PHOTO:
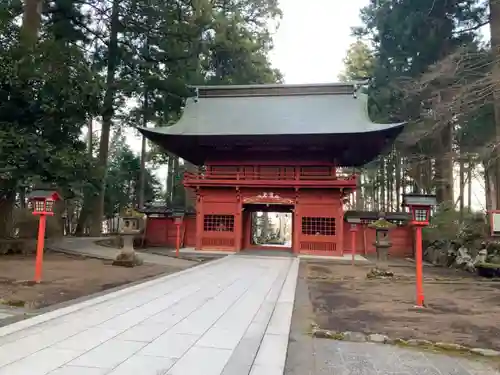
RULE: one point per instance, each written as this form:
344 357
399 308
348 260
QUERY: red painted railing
288 175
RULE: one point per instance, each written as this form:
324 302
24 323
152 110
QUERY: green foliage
382 224
358 63
126 63
428 68
44 102
449 226
408 38
123 179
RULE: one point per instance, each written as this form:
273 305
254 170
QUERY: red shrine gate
227 195
273 147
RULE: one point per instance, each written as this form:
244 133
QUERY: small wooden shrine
276 148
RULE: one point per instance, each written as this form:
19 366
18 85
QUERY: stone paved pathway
87 246
8 313
230 316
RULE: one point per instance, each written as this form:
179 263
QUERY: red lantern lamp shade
42 201
178 217
420 207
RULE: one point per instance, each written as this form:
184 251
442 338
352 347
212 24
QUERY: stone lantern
382 242
129 227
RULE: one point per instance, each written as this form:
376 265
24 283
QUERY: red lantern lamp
420 207
42 203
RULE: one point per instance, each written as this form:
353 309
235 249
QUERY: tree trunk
404 175
32 18
419 177
359 191
382 185
462 187
488 183
107 117
190 196
142 178
427 175
397 162
495 49
145 115
390 182
175 181
444 167
83 216
170 180
22 197
469 185
90 138
265 227
374 189
7 201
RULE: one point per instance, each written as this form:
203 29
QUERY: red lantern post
354 231
355 221
178 222
42 202
420 208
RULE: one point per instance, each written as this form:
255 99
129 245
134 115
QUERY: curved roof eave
275 115
154 134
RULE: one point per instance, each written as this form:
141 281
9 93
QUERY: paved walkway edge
272 353
42 318
61 250
244 354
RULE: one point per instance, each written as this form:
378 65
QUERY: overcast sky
313 38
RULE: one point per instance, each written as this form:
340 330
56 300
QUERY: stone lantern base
382 249
128 257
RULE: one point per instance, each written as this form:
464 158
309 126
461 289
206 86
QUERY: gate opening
271 229
268 227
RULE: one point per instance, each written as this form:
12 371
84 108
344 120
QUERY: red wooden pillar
419 266
199 221
177 236
238 224
167 224
354 231
297 228
247 229
365 247
340 227
39 248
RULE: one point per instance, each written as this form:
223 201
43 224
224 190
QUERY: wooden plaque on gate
268 198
